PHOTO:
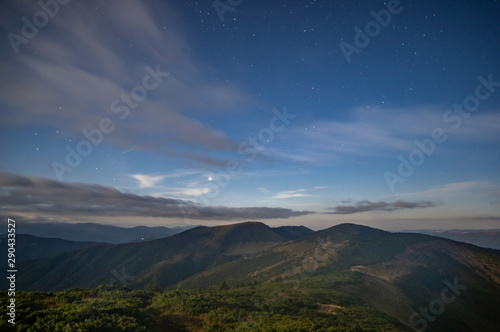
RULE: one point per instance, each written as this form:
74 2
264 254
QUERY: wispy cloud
380 132
74 74
151 181
147 181
364 206
291 194
454 189
463 187
48 198
187 192
296 193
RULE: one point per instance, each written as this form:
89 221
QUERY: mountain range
173 259
486 238
93 232
33 247
413 278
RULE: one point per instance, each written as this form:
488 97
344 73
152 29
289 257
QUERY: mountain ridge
397 273
400 274
34 247
485 238
174 258
94 232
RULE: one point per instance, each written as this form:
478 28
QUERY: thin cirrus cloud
365 206
152 181
380 132
186 192
74 74
490 188
147 181
53 199
296 193
291 194
484 191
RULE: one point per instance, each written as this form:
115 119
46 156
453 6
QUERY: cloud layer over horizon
42 196
366 206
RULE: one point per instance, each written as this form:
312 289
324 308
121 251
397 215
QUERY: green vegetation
275 306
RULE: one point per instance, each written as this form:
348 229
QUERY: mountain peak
247 224
355 229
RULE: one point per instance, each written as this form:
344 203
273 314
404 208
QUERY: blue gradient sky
222 83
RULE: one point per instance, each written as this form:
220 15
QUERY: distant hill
489 238
173 259
96 232
33 247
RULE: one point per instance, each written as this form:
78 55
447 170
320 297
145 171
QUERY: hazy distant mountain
173 259
482 238
32 247
97 232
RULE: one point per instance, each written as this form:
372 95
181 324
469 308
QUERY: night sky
307 113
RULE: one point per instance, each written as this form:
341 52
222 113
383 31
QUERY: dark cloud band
38 195
364 206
